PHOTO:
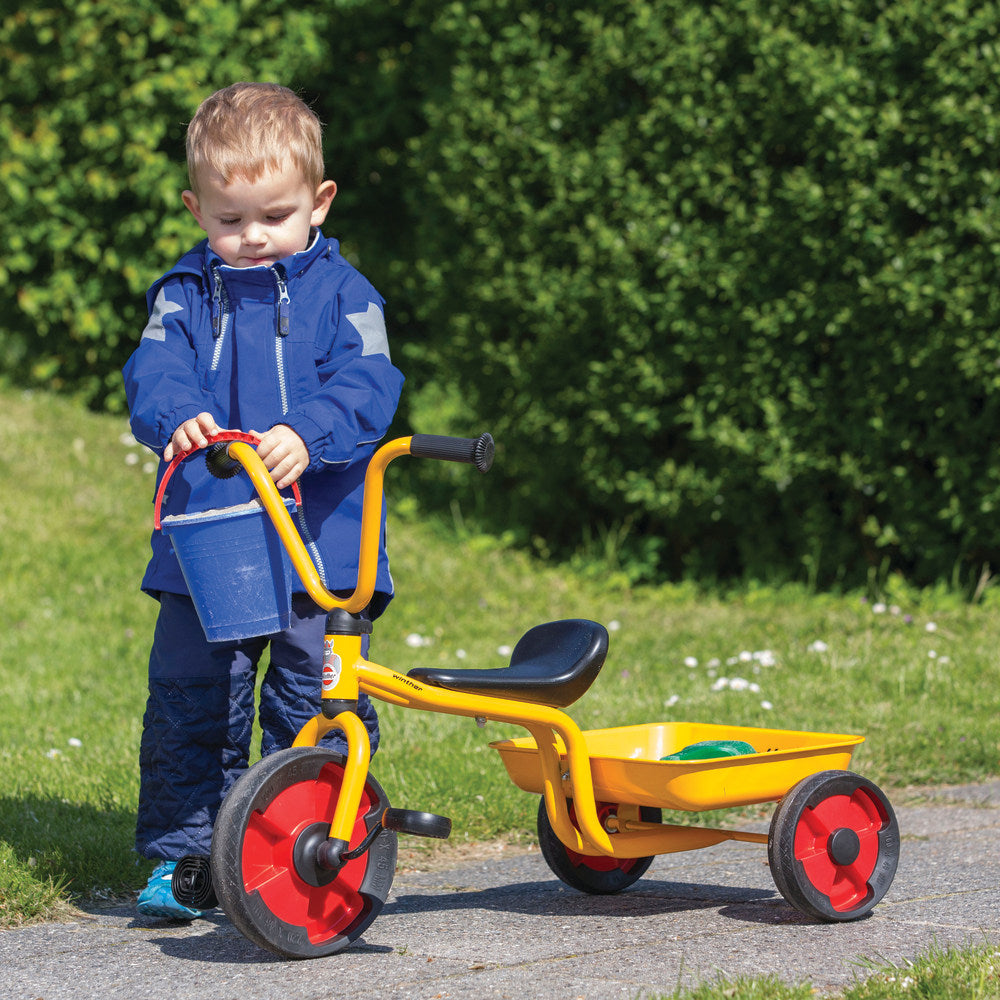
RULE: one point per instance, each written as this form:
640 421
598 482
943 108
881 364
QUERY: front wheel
597 875
263 856
833 845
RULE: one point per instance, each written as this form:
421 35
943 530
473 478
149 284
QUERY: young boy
263 326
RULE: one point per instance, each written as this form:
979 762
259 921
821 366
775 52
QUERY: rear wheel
264 866
598 875
833 845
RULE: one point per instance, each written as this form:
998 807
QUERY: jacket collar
292 265
202 262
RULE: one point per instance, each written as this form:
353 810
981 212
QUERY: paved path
504 927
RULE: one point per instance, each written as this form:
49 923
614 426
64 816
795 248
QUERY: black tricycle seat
552 664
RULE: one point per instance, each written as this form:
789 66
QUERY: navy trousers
199 717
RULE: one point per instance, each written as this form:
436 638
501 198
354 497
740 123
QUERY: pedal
191 884
420 824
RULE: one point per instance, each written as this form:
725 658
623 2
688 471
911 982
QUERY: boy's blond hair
249 129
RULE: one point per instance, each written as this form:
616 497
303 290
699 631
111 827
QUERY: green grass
919 677
938 974
971 973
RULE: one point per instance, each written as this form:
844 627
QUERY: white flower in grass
878 608
74 742
930 627
460 654
414 640
614 625
766 705
690 661
765 658
53 753
671 701
715 662
131 458
818 646
736 684
503 650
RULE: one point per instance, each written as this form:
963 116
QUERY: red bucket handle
243 436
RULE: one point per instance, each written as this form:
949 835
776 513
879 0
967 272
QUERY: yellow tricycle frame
304 846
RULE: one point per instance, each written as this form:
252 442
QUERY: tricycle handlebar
238 449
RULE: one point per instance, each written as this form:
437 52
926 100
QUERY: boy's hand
284 454
191 434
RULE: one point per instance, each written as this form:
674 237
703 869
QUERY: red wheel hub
599 863
837 843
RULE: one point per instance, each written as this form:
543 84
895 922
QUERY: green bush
94 101
722 277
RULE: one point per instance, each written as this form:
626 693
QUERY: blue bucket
237 571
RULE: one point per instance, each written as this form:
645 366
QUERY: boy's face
250 223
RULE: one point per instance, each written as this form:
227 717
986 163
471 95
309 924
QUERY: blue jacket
301 343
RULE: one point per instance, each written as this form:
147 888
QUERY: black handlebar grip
476 451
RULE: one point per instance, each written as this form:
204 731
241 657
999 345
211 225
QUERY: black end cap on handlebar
220 463
483 453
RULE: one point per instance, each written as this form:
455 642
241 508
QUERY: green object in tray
708 749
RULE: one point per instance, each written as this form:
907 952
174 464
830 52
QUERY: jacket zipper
220 317
282 331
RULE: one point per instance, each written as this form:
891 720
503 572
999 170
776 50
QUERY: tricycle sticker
331 667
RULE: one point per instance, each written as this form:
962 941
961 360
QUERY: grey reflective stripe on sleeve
161 307
371 325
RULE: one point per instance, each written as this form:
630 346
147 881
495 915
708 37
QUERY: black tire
272 892
602 876
833 846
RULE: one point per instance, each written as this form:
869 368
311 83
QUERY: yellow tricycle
304 846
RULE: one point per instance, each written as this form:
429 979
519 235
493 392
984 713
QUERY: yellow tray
627 768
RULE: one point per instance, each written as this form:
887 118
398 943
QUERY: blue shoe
157 899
